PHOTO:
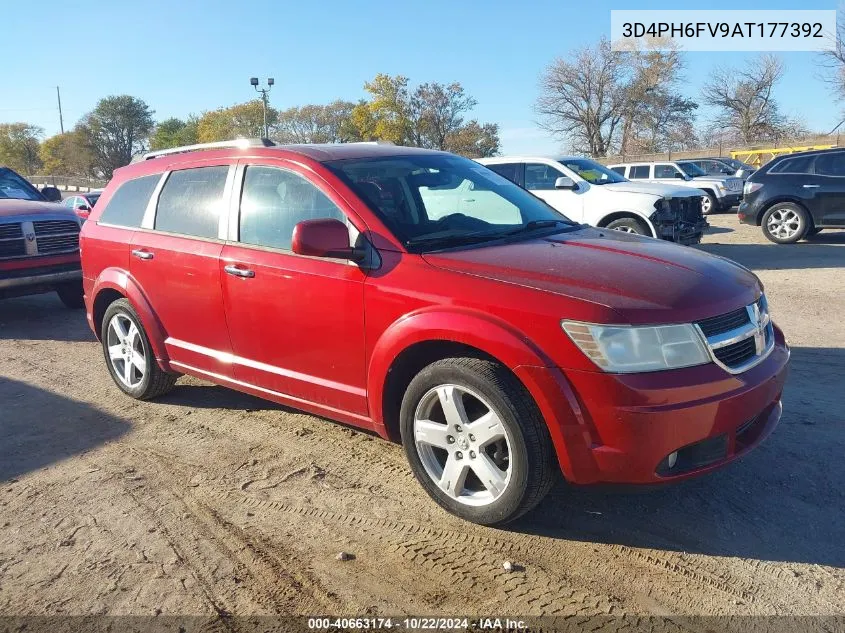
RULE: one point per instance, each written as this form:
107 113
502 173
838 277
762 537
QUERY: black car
796 195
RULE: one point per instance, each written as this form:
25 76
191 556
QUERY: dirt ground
209 501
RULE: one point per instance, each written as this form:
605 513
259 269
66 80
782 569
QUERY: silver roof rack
241 143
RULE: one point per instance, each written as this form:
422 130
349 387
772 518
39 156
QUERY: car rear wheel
71 294
629 225
708 204
476 441
129 356
785 223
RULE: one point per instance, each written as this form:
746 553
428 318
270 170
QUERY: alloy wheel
706 205
784 223
625 229
126 351
462 444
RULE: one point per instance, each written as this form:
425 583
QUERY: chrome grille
740 339
10 231
734 184
58 243
51 227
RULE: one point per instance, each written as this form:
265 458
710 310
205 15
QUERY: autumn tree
115 131
744 99
19 147
474 140
242 120
67 155
174 132
312 123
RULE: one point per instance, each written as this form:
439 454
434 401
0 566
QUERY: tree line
431 115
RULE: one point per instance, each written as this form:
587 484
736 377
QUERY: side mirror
83 211
565 182
51 194
322 238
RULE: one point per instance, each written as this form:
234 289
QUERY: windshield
13 186
440 200
691 170
591 171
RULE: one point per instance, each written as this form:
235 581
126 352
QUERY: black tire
155 381
629 225
71 294
532 460
709 204
792 216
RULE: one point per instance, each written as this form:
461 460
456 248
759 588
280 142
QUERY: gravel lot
209 501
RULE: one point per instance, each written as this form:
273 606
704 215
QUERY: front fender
476 329
122 282
638 214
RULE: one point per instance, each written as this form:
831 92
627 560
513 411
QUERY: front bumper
621 428
37 279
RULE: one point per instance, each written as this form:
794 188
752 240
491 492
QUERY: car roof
809 152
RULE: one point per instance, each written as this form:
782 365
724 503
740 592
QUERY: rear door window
831 164
797 165
129 202
191 202
638 172
508 170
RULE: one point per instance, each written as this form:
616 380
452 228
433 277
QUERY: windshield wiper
452 240
533 225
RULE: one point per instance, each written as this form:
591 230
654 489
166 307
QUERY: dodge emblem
30 237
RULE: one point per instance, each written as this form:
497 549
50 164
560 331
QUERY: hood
654 189
13 206
644 280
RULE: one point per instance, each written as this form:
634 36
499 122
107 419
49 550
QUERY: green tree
244 120
19 146
66 155
174 132
115 131
389 109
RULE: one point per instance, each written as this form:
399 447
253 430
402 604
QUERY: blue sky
184 56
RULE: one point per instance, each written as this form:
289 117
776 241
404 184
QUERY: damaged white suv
589 192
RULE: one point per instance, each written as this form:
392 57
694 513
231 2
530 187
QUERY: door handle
469 200
246 273
142 254
810 186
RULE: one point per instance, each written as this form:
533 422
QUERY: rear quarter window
128 203
191 201
797 165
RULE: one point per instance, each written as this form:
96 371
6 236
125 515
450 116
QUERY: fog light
672 459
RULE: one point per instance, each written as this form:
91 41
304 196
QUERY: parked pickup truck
589 192
720 192
39 242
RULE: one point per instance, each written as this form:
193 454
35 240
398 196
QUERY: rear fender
122 282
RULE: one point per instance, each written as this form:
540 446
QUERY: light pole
264 98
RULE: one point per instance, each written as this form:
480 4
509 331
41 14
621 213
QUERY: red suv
499 346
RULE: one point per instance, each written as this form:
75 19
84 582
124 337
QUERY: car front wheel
708 204
476 441
785 223
629 225
129 356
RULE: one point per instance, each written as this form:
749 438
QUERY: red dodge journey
419 295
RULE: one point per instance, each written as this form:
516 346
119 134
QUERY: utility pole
265 99
61 120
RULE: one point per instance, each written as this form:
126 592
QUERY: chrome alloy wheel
626 229
463 445
126 351
783 223
706 205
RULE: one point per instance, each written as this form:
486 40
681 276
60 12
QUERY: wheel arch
114 284
618 215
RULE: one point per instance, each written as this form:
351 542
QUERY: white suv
720 192
590 193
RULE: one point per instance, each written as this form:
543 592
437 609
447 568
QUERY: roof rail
239 143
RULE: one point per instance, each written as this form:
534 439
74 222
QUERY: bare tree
745 100
436 113
583 99
832 63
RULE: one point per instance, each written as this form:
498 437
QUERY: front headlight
626 349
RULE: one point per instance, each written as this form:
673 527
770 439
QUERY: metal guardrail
68 183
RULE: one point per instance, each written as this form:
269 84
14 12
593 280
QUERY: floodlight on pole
253 81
